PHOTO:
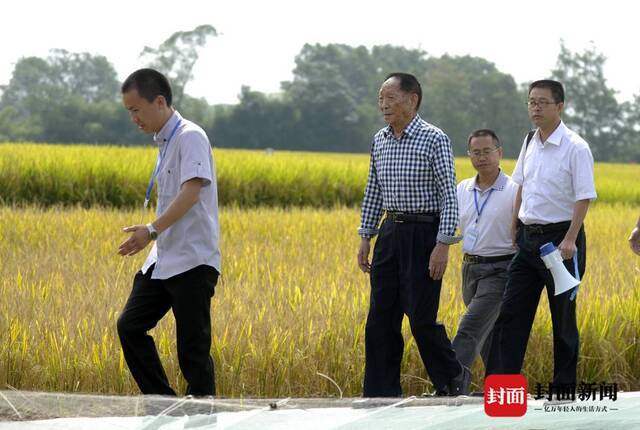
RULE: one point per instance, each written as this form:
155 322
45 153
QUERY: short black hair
557 90
408 84
150 84
482 132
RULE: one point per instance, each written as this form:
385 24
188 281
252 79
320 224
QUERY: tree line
329 105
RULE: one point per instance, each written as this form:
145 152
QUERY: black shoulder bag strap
529 137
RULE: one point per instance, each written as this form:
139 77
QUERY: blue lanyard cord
577 275
479 209
159 161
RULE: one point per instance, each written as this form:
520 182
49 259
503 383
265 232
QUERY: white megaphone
562 279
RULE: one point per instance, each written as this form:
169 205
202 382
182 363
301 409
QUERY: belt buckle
538 229
533 229
394 218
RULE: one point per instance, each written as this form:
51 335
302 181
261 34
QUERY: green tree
61 74
630 135
66 97
177 55
14 127
335 89
328 89
198 110
591 108
332 100
465 93
259 121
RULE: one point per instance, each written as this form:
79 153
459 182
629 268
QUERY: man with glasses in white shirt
555 175
486 203
182 268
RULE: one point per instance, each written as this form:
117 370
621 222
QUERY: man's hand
438 261
567 248
515 220
363 255
137 242
634 240
514 233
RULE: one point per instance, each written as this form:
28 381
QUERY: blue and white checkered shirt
413 174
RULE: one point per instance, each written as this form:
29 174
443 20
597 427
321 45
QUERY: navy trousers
526 277
400 284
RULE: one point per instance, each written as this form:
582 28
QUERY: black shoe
442 392
459 385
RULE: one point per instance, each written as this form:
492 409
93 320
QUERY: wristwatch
153 233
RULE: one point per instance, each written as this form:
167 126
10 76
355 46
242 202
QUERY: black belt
400 217
475 259
547 228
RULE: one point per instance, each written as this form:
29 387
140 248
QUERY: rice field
291 303
47 175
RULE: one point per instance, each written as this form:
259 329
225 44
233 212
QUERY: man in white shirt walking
486 202
555 174
182 268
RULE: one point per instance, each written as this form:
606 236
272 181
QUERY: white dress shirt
493 227
193 239
554 175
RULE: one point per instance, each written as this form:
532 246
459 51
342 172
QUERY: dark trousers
526 277
400 284
482 291
188 295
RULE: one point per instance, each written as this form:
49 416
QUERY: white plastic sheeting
405 414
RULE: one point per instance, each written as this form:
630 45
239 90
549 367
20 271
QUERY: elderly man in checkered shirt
412 180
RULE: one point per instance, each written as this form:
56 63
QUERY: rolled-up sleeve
582 174
372 202
445 175
518 172
195 156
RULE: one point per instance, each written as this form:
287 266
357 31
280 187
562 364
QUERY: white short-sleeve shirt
493 229
554 175
193 240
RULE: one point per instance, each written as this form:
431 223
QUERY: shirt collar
498 185
557 135
164 133
411 128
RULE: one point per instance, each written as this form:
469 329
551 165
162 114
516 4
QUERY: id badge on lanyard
158 165
471 233
469 241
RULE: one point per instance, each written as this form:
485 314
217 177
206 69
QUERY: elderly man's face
397 107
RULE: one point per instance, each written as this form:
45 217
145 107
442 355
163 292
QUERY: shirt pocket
169 180
555 174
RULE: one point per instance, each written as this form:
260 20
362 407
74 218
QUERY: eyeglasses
483 153
542 103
